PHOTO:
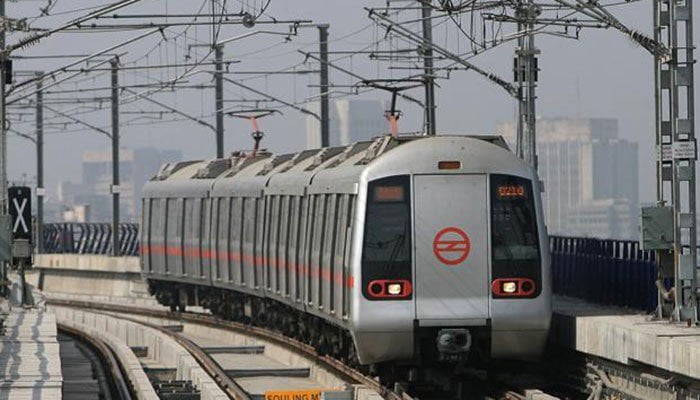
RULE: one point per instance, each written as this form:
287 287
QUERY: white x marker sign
20 215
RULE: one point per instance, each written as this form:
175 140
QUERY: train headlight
398 289
394 289
513 287
509 287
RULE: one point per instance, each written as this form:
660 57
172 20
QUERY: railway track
241 383
89 368
566 374
214 357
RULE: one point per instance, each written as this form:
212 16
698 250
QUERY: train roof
330 169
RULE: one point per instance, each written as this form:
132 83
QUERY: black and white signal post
20 209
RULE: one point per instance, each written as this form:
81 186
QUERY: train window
187 239
146 233
282 244
387 235
302 248
245 234
182 244
337 278
514 236
190 229
318 243
172 241
352 201
173 220
257 244
311 234
224 240
168 228
327 262
291 243
197 236
272 238
249 217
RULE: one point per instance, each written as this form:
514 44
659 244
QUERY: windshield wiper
398 244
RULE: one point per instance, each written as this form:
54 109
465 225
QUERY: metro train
410 250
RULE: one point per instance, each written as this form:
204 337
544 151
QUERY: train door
451 245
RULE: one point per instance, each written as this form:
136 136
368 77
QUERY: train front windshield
514 238
386 251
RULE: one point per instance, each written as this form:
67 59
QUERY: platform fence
90 238
609 272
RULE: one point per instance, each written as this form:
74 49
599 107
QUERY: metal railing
89 238
611 272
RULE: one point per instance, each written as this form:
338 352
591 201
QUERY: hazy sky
603 74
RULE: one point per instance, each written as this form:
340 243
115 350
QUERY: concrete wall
88 262
98 276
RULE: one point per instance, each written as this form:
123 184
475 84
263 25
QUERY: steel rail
226 383
120 384
346 372
210 366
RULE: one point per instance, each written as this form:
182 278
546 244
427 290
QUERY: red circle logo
451 246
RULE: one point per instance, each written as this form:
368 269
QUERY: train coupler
454 344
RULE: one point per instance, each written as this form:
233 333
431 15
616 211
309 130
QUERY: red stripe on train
194 252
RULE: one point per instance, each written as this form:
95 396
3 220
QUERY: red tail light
390 289
513 287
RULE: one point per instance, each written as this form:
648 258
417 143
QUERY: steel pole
115 158
39 166
525 71
677 154
3 143
325 99
429 79
3 117
219 99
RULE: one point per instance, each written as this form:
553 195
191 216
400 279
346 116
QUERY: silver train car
410 249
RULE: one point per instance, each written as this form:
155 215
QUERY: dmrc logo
451 246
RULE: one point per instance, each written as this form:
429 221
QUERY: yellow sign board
293 395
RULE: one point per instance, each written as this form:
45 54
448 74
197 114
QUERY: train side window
259 223
282 242
248 237
249 217
236 231
197 219
162 213
186 231
347 277
337 282
302 261
205 226
332 221
223 239
311 234
216 203
319 245
338 276
179 232
173 233
272 225
146 233
166 237
292 246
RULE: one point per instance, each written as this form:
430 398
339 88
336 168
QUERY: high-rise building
135 168
350 121
590 177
